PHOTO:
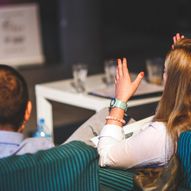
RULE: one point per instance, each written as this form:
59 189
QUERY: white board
20 39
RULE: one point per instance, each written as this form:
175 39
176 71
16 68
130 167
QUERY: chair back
71 166
184 153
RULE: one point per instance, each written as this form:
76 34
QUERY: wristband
118 103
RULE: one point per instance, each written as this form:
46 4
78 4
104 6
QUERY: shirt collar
11 137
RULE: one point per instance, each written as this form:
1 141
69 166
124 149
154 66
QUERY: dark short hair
13 97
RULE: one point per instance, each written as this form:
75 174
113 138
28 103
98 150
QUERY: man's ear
28 111
26 116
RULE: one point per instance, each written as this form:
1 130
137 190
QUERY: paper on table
143 89
129 129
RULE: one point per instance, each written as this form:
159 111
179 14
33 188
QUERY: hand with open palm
176 38
124 86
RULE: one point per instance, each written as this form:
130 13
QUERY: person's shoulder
35 144
38 140
158 125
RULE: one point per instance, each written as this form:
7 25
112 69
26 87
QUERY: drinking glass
154 70
110 69
80 72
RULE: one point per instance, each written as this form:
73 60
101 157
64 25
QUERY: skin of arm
112 145
114 150
124 89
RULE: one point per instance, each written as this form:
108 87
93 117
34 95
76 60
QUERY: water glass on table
110 68
154 70
80 72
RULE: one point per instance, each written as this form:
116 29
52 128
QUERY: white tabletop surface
62 91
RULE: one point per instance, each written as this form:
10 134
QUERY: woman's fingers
122 67
116 74
138 79
179 36
119 67
124 87
125 69
176 38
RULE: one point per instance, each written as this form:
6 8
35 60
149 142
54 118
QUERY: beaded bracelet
115 119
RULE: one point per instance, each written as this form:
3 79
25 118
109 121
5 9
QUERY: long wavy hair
175 110
175 105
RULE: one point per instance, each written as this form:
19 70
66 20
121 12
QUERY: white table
63 92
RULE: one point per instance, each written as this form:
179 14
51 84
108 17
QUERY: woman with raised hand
156 143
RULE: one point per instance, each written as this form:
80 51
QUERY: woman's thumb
138 79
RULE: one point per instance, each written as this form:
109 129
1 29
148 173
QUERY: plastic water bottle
41 129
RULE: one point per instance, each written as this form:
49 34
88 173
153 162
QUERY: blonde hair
175 105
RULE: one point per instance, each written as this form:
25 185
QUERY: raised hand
176 38
124 86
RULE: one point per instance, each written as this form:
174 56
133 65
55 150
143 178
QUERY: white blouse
152 145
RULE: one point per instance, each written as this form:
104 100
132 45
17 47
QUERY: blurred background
91 31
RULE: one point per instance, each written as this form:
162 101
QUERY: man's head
14 99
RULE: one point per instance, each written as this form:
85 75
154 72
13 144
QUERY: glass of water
155 70
80 72
110 69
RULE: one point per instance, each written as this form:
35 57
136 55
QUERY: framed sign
20 40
